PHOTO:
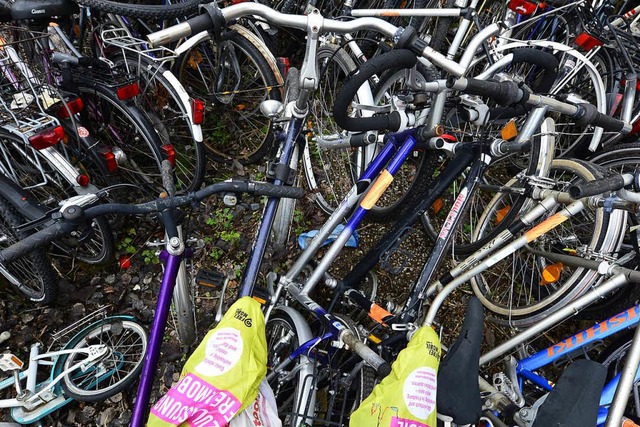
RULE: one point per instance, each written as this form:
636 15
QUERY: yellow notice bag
222 376
407 396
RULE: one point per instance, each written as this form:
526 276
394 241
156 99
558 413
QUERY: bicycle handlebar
368 355
599 186
72 216
508 93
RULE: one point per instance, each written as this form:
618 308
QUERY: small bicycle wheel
233 78
32 274
125 344
525 287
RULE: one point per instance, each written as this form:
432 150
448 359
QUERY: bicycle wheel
33 171
613 357
92 381
515 289
233 77
161 100
416 174
292 384
32 274
330 172
122 125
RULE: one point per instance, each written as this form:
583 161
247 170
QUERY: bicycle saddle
39 9
575 398
458 388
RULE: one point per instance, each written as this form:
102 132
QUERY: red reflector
587 41
448 137
197 108
109 159
83 180
128 91
522 7
48 138
125 262
170 152
238 1
283 65
73 107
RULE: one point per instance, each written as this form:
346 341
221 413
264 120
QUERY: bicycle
72 216
98 357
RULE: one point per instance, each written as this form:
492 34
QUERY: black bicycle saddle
40 9
458 388
575 398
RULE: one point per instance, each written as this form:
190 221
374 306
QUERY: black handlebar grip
392 60
266 189
504 93
594 188
200 23
542 59
36 240
588 114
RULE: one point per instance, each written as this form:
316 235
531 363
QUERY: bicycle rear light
109 159
587 42
197 109
71 108
127 92
47 138
83 180
170 152
522 7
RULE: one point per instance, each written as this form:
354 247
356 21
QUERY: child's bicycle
98 357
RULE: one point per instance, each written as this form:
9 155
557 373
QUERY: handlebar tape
392 60
594 188
542 59
36 240
271 190
589 115
167 178
504 93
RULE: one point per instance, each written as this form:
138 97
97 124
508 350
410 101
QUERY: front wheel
91 381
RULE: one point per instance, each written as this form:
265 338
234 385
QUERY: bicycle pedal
9 362
210 278
261 295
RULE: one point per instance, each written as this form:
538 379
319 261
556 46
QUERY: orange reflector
501 213
626 422
509 131
437 205
374 339
551 273
262 301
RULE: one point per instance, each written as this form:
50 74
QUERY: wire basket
61 337
25 90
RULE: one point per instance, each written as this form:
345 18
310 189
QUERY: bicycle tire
598 236
27 167
330 173
39 280
160 97
127 344
144 11
232 114
416 174
283 337
121 124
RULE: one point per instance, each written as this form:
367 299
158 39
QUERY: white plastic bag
263 412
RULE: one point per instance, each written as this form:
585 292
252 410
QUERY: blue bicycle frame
525 368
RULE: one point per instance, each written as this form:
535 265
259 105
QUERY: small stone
254 206
148 278
77 310
110 279
116 398
95 281
97 296
135 279
137 288
106 416
125 279
27 317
